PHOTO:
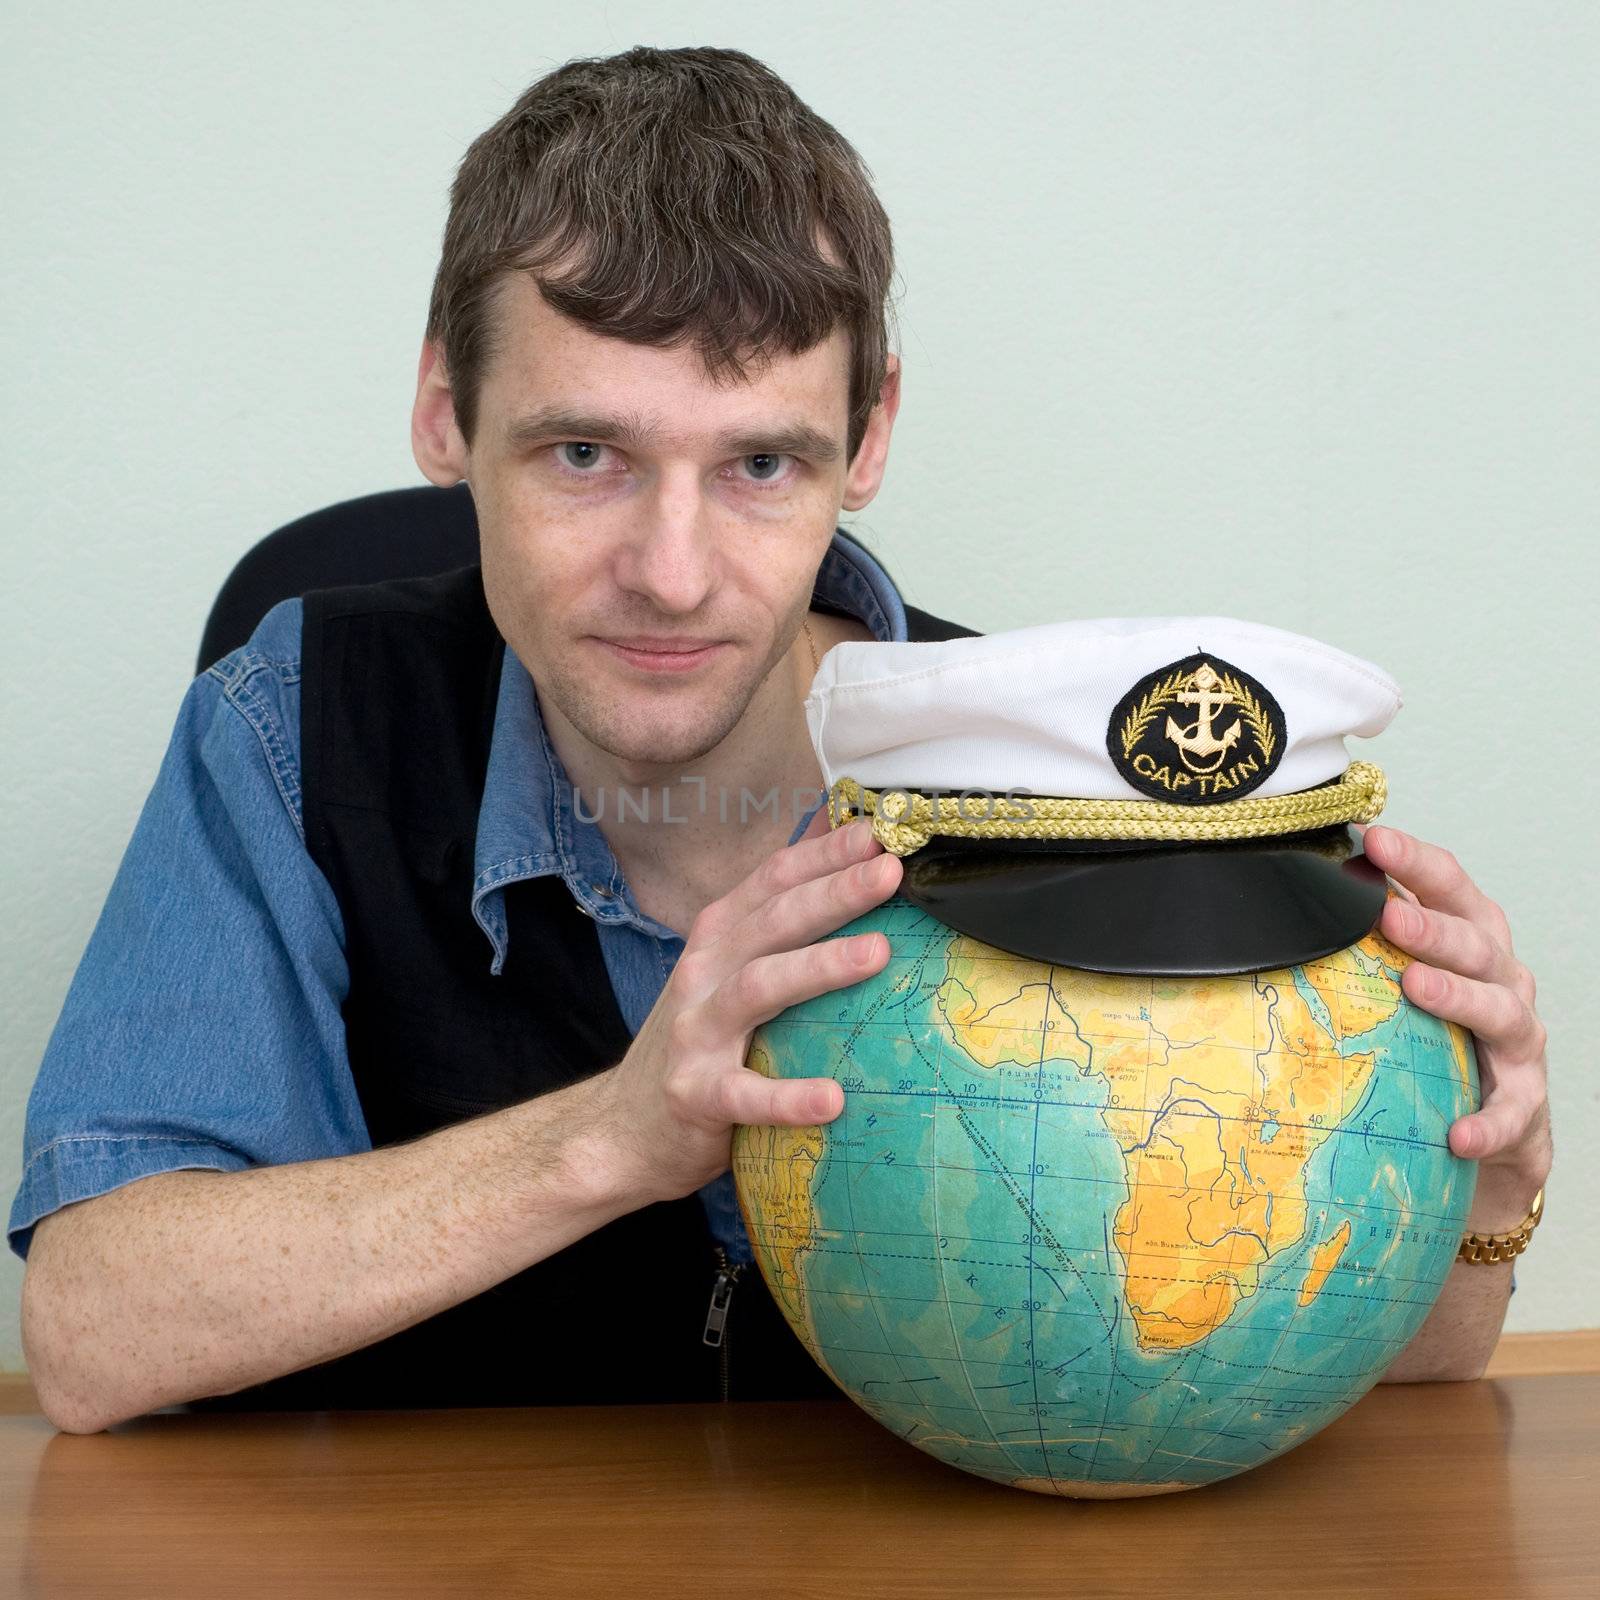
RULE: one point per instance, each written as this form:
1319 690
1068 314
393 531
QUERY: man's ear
436 441
866 470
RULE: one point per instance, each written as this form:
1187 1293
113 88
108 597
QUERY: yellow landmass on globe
1357 996
775 1167
1323 1260
1459 1053
1376 958
1219 1092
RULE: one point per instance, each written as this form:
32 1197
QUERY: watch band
1485 1247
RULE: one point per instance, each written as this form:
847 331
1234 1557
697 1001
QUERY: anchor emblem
1218 756
1206 694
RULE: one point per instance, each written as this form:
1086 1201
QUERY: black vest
398 692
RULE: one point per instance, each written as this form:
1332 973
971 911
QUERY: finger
1448 941
1435 876
813 855
743 1095
789 920
1503 1121
1398 891
1497 1015
768 984
805 913
819 826
1394 887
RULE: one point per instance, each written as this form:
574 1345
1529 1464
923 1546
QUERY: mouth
663 655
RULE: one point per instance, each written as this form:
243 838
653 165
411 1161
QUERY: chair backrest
399 533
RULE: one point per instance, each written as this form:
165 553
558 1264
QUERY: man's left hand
1463 969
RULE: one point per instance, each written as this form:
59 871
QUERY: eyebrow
635 432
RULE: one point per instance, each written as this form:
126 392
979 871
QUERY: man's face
649 539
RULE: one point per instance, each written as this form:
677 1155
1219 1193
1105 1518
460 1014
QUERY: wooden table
1479 1489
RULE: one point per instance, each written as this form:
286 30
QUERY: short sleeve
204 1024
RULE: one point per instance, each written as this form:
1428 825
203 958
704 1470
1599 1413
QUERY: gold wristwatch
1483 1247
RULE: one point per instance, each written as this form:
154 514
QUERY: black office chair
400 533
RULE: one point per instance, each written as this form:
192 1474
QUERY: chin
673 740
667 725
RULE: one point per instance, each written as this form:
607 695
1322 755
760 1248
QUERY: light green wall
1284 311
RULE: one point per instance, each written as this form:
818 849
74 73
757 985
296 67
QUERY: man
346 1105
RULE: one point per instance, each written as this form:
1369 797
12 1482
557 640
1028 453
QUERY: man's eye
765 466
579 455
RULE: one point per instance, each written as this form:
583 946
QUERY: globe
1103 1236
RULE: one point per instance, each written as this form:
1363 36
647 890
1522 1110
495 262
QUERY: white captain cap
1169 795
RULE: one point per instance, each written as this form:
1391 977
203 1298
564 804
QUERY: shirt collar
527 825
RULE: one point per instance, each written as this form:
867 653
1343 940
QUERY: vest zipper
717 1314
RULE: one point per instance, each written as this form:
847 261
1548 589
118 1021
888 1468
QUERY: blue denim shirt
203 1026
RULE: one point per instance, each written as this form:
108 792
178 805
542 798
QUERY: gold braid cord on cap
903 820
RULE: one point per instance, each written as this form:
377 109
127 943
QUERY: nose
671 557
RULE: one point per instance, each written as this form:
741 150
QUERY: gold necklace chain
816 665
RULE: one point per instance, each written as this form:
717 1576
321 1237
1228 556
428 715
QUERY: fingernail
1407 923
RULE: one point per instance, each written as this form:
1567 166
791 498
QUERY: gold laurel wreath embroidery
1139 718
1260 723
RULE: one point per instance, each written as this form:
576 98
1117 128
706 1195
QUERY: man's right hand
673 1100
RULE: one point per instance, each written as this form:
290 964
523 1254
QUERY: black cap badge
1195 732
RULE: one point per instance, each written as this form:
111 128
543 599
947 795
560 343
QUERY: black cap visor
1154 907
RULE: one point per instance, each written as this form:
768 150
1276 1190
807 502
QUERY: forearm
196 1283
1460 1333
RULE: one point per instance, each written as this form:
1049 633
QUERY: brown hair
660 196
